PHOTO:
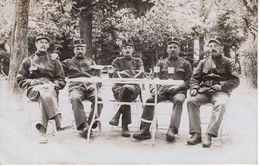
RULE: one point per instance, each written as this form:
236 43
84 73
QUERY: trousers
176 99
219 101
126 93
47 97
77 96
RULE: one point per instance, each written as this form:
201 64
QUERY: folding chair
164 115
138 104
87 108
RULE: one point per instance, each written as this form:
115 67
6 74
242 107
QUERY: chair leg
221 134
157 127
99 127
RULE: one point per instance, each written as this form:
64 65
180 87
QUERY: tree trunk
85 24
201 47
19 48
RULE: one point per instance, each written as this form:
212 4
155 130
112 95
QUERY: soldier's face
215 49
173 50
42 45
127 51
80 52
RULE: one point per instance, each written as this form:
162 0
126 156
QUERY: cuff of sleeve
195 87
56 87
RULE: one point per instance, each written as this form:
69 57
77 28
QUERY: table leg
155 115
95 111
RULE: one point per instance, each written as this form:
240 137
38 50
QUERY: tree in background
148 22
19 49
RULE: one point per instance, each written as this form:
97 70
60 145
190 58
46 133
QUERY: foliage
6 17
237 20
148 22
248 51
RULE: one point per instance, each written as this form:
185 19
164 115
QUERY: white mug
156 69
171 70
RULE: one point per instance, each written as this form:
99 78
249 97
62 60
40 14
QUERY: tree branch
248 7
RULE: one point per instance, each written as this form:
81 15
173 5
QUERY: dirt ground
19 139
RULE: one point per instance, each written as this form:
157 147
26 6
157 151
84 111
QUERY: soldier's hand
54 56
86 75
216 87
174 89
34 82
193 92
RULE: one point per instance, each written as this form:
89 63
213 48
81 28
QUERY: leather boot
84 132
115 120
58 123
170 135
142 134
176 130
207 141
125 131
95 124
195 139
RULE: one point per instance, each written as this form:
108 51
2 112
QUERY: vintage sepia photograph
128 82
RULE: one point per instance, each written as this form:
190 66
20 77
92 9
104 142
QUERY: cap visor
218 42
80 45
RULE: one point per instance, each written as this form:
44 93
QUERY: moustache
80 53
213 51
173 52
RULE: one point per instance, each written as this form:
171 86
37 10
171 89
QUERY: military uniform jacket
78 68
126 64
182 71
122 63
43 69
215 71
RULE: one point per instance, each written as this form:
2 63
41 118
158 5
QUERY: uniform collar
217 58
172 59
128 58
39 54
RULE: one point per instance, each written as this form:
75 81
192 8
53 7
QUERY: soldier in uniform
79 66
212 82
127 67
43 77
176 94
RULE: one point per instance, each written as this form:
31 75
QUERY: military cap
173 40
216 39
39 37
127 43
79 43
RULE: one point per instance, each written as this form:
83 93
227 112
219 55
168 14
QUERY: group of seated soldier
43 75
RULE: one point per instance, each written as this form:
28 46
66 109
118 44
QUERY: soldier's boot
207 141
142 134
84 132
176 130
170 137
195 139
58 123
115 120
125 131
